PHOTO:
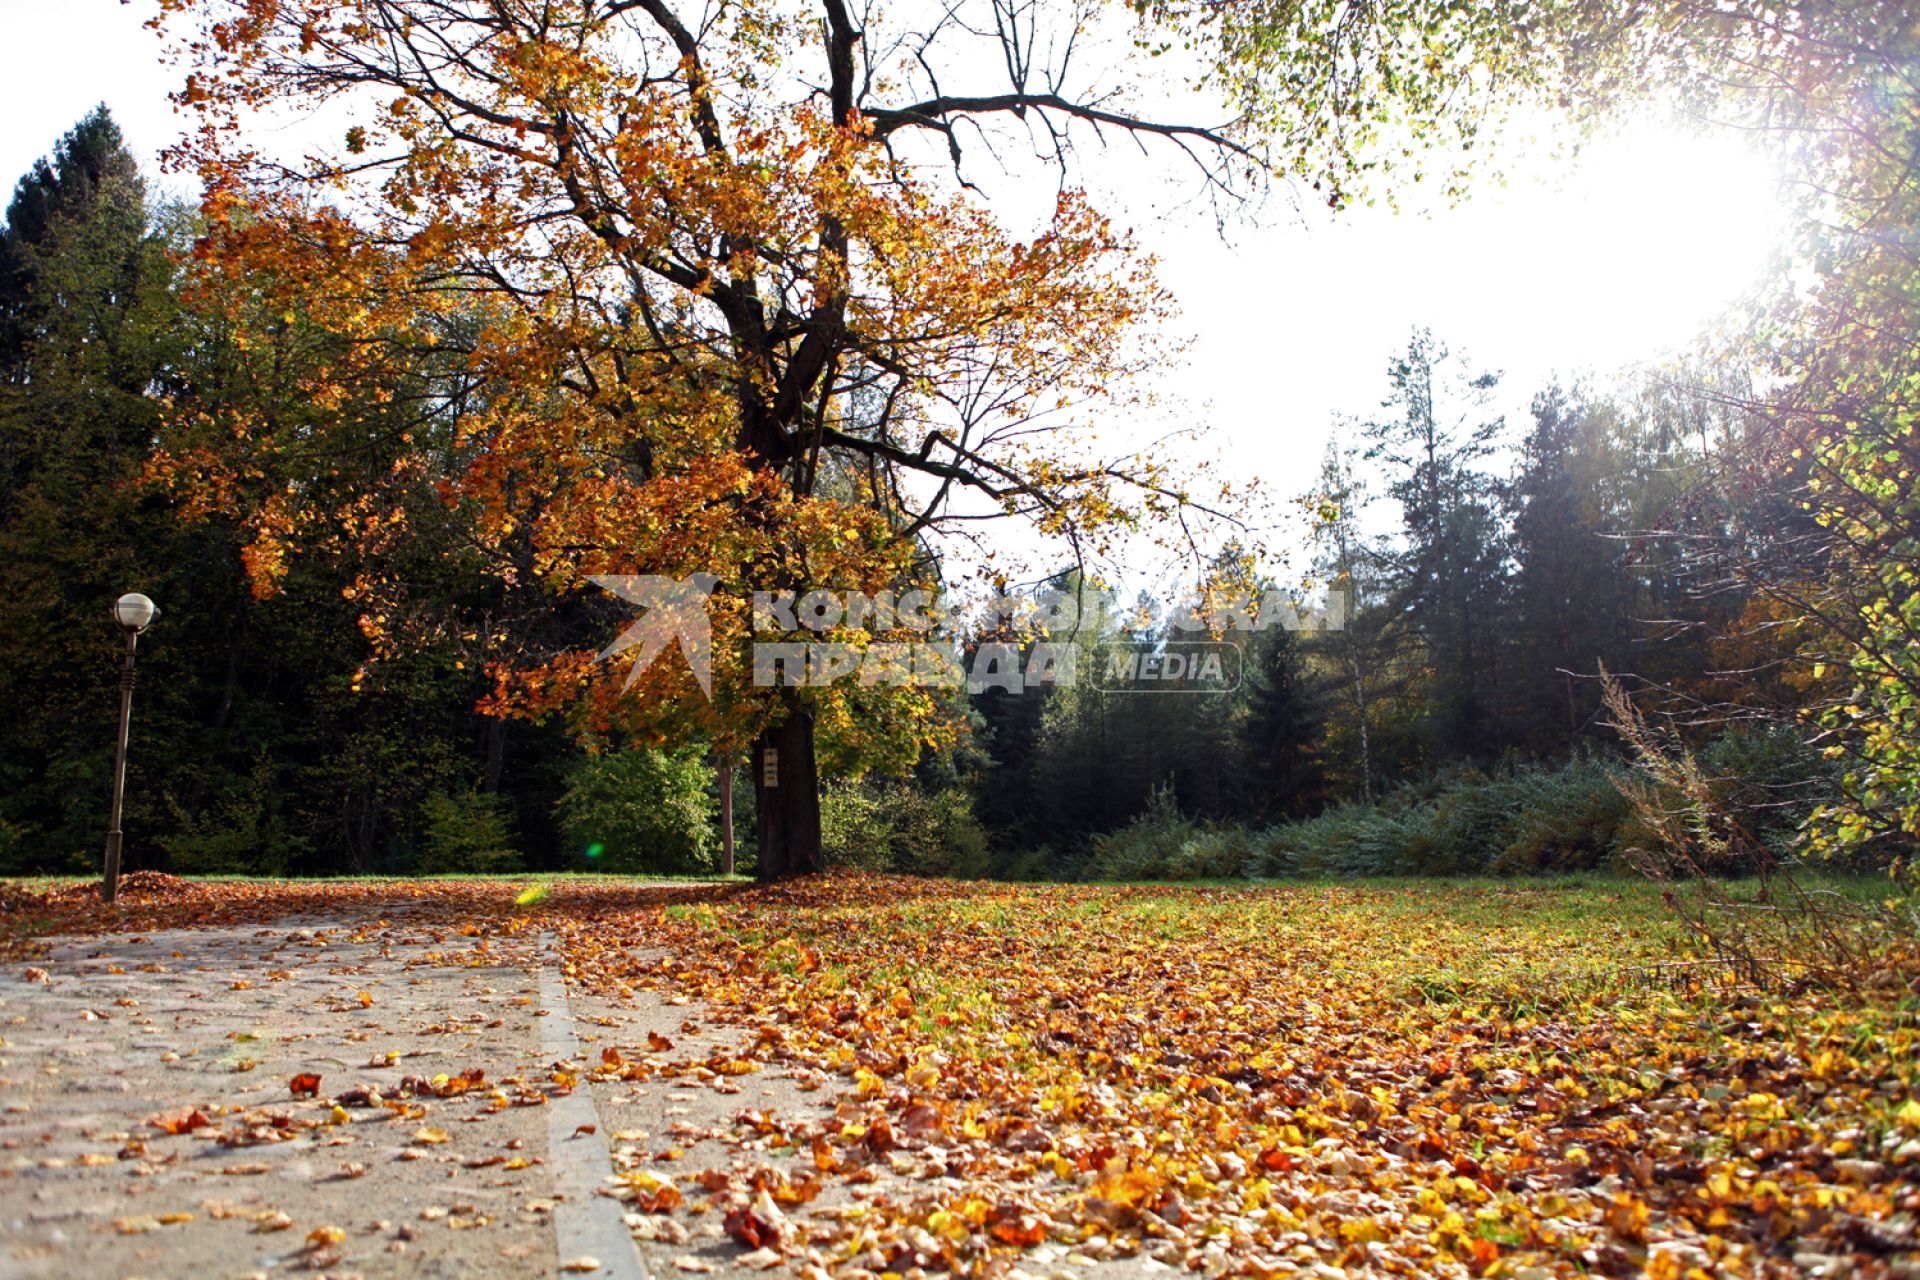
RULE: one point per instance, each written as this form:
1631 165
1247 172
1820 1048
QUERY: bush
1771 778
1521 819
1215 853
16 848
1040 863
851 832
466 833
242 835
643 811
1573 819
902 828
1146 848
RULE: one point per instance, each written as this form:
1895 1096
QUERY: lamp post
131 612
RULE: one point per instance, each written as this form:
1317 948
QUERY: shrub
851 832
1572 819
466 833
642 811
1041 862
1216 853
1520 819
898 827
17 849
1147 847
244 834
1771 778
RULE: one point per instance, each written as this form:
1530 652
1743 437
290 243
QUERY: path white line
585 1223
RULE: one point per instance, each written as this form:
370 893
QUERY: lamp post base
110 884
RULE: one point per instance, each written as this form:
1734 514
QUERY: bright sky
1610 262
1607 263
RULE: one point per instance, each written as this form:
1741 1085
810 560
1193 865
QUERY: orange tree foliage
679 293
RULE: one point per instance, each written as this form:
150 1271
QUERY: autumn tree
742 311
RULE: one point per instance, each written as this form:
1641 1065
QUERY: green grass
47 883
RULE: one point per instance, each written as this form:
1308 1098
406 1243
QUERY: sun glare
1652 235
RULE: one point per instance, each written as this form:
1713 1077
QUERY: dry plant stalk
1786 934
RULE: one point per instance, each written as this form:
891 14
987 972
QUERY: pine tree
86 316
1570 591
91 178
1447 580
1280 730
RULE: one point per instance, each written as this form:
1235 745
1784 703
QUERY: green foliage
1513 820
1164 844
259 742
1276 751
23 853
244 834
1445 584
896 826
852 832
466 832
1350 94
641 811
1571 600
1772 778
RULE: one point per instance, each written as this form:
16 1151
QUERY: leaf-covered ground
1406 1078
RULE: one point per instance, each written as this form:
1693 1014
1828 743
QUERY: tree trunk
496 759
725 763
787 813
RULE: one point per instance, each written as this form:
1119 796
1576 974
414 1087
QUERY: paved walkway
149 1123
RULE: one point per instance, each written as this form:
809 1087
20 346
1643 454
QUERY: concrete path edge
585 1223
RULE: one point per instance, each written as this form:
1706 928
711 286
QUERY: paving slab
149 1124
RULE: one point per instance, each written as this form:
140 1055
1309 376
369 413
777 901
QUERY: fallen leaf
185 1120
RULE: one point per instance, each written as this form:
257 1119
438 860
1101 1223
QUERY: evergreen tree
1280 730
87 323
91 180
1571 600
1447 580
